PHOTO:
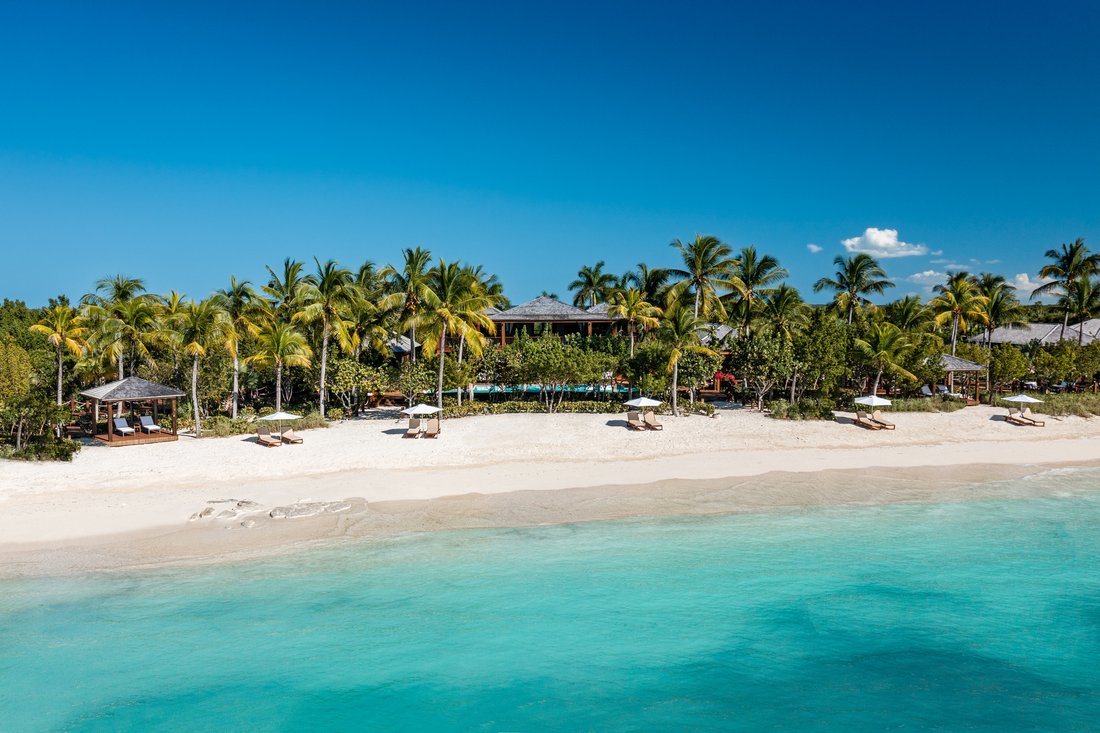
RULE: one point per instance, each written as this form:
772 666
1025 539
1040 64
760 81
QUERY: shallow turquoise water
970 616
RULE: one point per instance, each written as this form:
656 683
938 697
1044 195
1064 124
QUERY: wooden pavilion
545 313
971 378
133 392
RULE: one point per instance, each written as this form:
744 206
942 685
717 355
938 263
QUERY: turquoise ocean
976 616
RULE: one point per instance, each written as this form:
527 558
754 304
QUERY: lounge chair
651 422
1028 417
122 427
634 421
263 437
414 428
878 419
432 431
289 436
864 421
926 391
148 426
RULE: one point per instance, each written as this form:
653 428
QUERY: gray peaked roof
1044 333
600 309
957 364
132 388
543 310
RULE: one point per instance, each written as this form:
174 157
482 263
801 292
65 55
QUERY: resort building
545 314
1084 332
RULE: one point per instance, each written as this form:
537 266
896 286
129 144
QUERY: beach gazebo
971 375
130 393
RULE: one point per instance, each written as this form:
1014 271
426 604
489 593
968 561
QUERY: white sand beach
108 492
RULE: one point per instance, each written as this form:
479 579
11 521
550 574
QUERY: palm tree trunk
675 384
461 346
851 310
324 362
412 340
874 390
278 387
631 325
1065 323
794 381
59 367
698 292
954 333
195 394
439 378
236 380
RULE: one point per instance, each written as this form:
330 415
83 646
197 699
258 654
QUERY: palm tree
1072 263
238 301
909 314
170 306
1082 302
593 285
285 288
707 266
631 306
884 348
134 329
650 280
323 296
199 325
102 305
454 304
408 287
856 277
281 345
679 332
753 276
64 329
1002 308
959 303
784 311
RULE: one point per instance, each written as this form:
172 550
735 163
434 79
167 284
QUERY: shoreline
130 507
215 541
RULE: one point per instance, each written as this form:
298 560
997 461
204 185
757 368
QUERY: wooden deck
136 439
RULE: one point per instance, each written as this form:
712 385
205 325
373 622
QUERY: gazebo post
174 431
110 423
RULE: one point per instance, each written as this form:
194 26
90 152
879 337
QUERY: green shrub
43 450
807 408
1063 405
335 413
926 404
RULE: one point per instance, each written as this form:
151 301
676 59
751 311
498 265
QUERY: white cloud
883 243
814 248
1024 284
927 278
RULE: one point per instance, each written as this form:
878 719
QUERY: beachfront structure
546 314
151 399
1084 332
971 376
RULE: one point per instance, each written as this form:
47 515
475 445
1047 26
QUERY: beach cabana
971 376
559 318
128 394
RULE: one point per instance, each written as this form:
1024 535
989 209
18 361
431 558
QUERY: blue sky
186 142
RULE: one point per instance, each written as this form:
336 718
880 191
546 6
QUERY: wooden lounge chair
263 437
633 421
650 420
864 421
289 436
1028 418
148 426
122 427
878 419
432 431
414 428
1014 416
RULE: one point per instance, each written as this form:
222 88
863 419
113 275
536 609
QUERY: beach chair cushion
414 428
289 436
877 417
432 431
121 426
263 437
1027 415
148 425
864 420
634 422
650 420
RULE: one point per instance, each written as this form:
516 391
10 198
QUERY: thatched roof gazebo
970 370
561 318
133 392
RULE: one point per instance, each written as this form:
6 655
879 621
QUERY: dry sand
131 506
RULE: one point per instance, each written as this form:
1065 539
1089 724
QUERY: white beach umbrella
280 417
421 409
1028 399
642 402
872 401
